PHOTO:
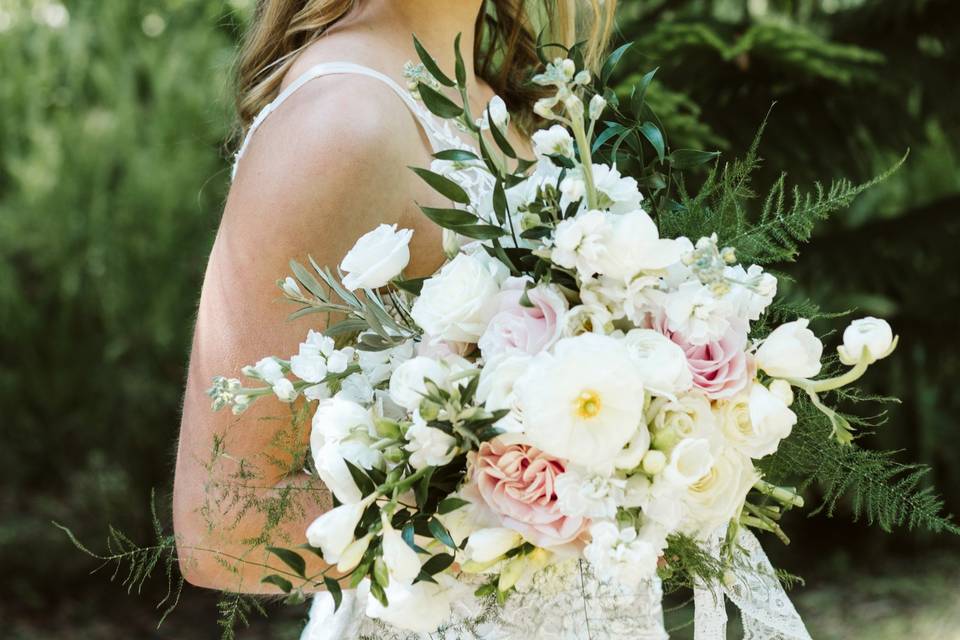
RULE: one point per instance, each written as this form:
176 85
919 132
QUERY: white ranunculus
342 430
791 351
376 258
496 387
587 318
633 245
486 545
553 141
869 337
630 456
429 446
408 381
421 607
661 362
580 242
332 532
770 420
583 402
717 497
456 303
689 461
402 561
619 555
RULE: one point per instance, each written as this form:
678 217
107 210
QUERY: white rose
689 461
376 258
867 337
402 561
689 416
584 402
633 244
717 497
486 545
421 607
332 532
342 430
661 362
429 446
496 387
791 351
408 381
553 141
768 422
456 303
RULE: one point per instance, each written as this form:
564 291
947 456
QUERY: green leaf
499 138
445 186
364 483
437 103
500 202
380 572
292 559
456 155
613 129
440 533
652 133
611 62
437 563
640 91
561 161
480 231
431 64
686 158
459 68
451 504
306 278
278 581
377 592
335 591
449 218
413 285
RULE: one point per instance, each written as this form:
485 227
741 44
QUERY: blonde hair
506 41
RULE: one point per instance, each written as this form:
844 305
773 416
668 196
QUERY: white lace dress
565 601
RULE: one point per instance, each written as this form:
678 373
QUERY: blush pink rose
527 329
721 368
516 482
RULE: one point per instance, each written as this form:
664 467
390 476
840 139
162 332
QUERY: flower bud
568 67
291 288
393 455
387 428
597 105
653 462
353 554
429 410
783 391
529 221
870 338
582 78
486 545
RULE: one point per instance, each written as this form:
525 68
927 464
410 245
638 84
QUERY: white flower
717 497
291 288
661 362
573 187
587 318
752 290
332 532
486 545
456 303
579 242
791 351
376 258
618 555
755 425
338 361
632 244
584 402
402 561
497 109
496 387
696 313
342 430
584 494
597 105
353 554
357 388
430 446
379 365
284 390
421 607
867 337
310 364
408 382
270 371
616 193
689 416
553 141
630 456
689 461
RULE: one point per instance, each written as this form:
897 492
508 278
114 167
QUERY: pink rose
720 368
528 329
516 481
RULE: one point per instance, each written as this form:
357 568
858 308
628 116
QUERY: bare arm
324 169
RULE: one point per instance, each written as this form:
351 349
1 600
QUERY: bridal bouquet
574 383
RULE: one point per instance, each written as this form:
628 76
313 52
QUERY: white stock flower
581 493
456 303
310 364
660 361
357 388
332 532
376 258
429 446
696 313
553 141
619 555
717 497
408 381
583 402
751 290
791 351
379 365
342 430
689 461
270 371
421 607
402 561
633 244
496 387
579 242
617 193
486 545
573 187
870 337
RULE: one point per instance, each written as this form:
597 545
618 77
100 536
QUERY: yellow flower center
587 404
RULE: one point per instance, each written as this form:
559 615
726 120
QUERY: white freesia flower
553 141
376 258
353 554
633 244
456 303
429 446
342 430
419 608
689 461
486 545
579 242
496 387
408 381
619 555
402 561
718 496
332 532
869 337
583 402
791 351
768 421
581 493
660 361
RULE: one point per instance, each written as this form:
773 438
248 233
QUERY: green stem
586 160
782 495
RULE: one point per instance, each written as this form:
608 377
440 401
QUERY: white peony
791 351
496 387
486 545
867 337
633 244
689 461
583 402
421 607
429 446
718 497
619 555
579 242
332 532
456 303
342 430
377 258
660 361
553 141
408 381
402 561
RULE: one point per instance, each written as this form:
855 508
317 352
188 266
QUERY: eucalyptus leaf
499 137
449 218
437 563
611 62
480 231
335 591
456 155
440 533
460 69
308 280
451 504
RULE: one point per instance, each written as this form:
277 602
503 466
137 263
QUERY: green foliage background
114 119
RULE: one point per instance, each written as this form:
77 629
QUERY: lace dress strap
439 137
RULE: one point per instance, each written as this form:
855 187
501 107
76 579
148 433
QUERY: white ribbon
765 609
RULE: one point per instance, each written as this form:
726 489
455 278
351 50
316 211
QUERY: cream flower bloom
791 351
579 242
633 245
717 497
376 258
660 361
486 545
408 381
755 423
429 446
583 402
402 561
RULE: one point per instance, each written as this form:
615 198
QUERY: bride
326 112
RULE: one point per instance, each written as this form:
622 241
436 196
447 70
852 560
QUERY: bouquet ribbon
765 609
